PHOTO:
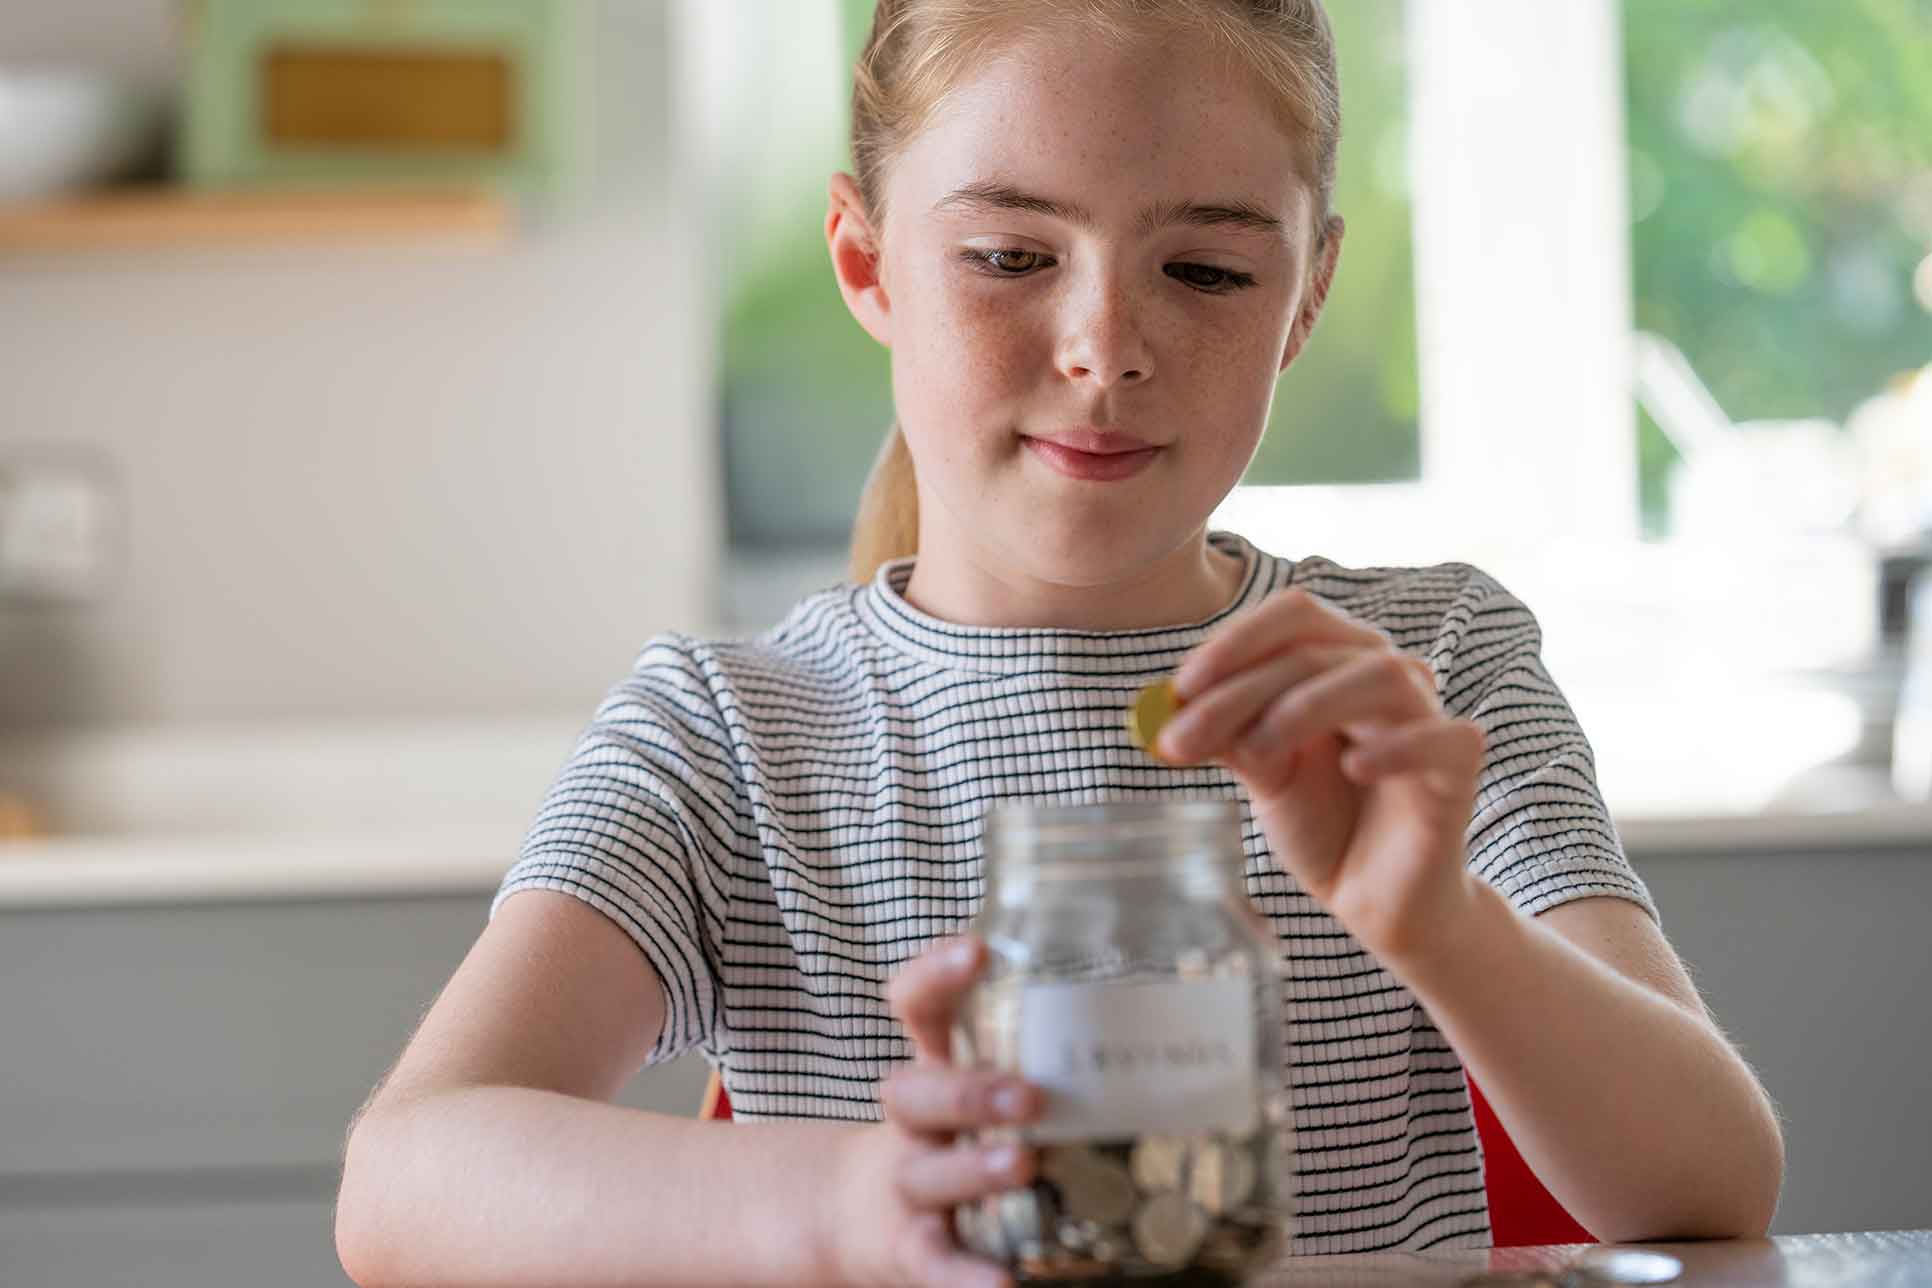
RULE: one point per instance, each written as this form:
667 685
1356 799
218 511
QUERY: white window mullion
1523 267
1517 157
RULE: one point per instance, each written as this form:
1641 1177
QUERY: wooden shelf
150 218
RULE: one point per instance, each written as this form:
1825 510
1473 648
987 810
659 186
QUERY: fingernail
1009 1101
959 955
1000 1160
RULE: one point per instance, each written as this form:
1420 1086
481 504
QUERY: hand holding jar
1363 785
896 1187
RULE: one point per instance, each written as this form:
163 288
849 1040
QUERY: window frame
1523 302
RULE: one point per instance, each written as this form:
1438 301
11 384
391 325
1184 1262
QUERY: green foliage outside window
1781 188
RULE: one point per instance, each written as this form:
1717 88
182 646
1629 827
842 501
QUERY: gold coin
1159 1163
1168 1229
1223 1176
1153 707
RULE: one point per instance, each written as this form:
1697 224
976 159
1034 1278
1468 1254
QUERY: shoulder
1470 627
820 644
1439 605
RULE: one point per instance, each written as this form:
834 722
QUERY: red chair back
1521 1212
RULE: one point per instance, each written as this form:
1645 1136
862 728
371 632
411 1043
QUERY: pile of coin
1159 1209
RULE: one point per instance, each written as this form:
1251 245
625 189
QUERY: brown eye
1208 279
1014 261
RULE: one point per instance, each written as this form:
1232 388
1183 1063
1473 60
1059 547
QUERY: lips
1093 456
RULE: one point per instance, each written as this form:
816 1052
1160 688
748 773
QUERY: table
1886 1259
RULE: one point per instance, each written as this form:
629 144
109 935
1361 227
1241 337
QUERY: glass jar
1130 978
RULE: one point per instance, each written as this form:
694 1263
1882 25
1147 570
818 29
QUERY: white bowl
63 129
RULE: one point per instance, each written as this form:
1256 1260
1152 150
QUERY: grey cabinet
1818 965
176 1081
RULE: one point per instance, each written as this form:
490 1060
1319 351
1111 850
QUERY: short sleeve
637 825
1541 833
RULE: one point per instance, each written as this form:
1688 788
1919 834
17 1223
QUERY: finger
1447 753
1282 620
927 991
941 1178
1368 690
937 1099
935 1260
1206 725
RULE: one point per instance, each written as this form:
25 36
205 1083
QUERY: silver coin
1159 1163
1629 1266
979 1232
1222 1176
1022 1217
1168 1228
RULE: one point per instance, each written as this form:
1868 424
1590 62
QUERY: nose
1101 343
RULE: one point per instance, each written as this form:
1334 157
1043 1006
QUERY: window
1529 186
1781 194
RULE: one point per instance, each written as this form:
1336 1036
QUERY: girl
1091 233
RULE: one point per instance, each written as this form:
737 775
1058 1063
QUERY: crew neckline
1013 650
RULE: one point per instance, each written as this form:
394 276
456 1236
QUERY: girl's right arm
491 1154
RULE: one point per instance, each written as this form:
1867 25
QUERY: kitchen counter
347 811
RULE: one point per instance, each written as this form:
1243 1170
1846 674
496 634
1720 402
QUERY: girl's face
1095 263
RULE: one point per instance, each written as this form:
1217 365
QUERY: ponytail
887 526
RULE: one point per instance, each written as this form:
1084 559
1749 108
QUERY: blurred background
376 376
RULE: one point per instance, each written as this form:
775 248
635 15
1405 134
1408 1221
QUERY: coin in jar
1222 1176
1152 708
1092 1188
978 1231
1159 1163
1022 1217
1168 1228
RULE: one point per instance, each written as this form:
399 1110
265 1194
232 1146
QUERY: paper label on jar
1121 1059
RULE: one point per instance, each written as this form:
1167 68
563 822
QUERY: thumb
927 991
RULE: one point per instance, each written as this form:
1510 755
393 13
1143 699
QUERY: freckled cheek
978 350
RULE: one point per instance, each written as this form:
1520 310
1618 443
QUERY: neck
959 583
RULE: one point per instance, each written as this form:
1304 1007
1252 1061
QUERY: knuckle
963 1097
893 1094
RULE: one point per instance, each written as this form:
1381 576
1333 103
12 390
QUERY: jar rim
1037 817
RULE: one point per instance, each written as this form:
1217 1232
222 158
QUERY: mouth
1093 456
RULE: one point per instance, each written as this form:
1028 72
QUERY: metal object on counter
1605 1267
1611 1265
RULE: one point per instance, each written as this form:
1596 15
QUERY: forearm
507 1185
1635 1114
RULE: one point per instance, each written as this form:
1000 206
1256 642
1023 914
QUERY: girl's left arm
1581 1025
1592 1046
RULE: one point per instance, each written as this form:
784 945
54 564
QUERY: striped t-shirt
780 822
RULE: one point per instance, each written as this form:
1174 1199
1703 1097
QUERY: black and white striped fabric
778 823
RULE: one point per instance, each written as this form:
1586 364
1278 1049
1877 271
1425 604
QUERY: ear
1317 295
856 258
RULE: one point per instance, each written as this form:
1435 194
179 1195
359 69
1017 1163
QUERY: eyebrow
987 195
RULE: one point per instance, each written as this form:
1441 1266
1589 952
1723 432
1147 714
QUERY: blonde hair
918 50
